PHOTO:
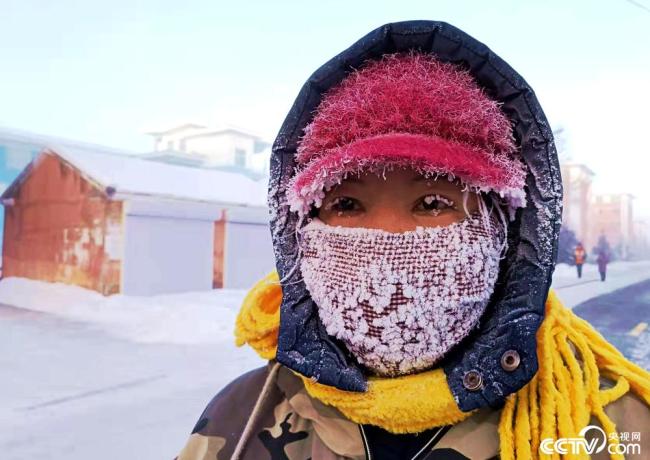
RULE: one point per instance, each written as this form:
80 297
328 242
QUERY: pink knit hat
408 110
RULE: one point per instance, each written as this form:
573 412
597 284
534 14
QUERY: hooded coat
289 423
517 306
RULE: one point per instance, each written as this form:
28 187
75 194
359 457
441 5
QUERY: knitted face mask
400 301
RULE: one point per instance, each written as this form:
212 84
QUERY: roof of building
129 175
175 157
181 127
202 130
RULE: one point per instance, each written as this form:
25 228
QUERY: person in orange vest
579 255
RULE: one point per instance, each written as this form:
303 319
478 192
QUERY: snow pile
187 318
573 291
209 316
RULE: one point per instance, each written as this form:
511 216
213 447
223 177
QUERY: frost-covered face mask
400 301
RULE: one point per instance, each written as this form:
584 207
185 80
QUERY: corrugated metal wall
167 254
248 249
61 228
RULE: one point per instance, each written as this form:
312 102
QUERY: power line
640 5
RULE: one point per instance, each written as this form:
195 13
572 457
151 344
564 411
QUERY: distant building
15 153
121 224
577 183
591 215
612 216
226 148
641 242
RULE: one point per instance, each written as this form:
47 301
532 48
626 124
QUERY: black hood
516 308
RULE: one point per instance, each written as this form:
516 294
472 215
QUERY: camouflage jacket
290 425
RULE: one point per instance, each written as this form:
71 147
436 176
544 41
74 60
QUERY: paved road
69 391
623 317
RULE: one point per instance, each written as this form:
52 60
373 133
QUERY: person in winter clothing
579 256
602 260
415 201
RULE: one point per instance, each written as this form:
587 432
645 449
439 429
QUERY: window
240 158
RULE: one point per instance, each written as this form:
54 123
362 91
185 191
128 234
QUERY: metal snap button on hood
472 380
510 360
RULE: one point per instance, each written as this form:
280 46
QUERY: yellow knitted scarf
558 402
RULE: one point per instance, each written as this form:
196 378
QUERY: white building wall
216 149
248 249
261 162
220 148
172 140
168 247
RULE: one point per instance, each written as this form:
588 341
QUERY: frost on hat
408 110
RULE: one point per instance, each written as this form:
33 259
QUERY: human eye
433 204
342 205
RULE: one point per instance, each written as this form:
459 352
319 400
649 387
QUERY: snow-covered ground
86 376
188 318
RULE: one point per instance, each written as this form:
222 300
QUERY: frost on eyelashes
400 301
301 198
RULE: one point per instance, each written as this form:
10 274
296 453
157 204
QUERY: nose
390 219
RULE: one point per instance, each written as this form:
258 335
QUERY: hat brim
430 155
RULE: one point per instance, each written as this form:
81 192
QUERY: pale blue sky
106 71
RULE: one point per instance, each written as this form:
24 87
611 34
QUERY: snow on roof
130 175
181 127
206 130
